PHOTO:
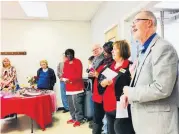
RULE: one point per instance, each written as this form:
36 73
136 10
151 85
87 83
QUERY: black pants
119 126
98 118
98 113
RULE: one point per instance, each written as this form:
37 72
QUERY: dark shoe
83 121
91 124
65 111
60 109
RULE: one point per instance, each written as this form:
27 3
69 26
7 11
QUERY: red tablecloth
39 108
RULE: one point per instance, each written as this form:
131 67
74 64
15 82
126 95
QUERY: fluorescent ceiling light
167 5
34 9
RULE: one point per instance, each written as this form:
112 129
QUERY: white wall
109 14
171 34
44 40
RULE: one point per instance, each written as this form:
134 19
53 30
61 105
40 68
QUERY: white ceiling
170 8
57 10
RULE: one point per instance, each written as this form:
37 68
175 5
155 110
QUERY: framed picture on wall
112 34
112 39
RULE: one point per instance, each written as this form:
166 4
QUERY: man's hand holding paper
121 112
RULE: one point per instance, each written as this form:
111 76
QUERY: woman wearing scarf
97 98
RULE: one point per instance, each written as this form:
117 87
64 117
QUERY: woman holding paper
112 89
97 98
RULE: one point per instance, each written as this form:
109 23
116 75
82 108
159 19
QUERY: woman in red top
112 89
97 99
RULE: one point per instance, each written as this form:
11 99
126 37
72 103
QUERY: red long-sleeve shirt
73 72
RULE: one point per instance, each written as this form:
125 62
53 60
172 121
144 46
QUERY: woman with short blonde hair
44 61
46 76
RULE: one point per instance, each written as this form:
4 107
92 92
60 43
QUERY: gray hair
151 15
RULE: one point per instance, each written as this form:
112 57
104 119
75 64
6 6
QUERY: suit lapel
139 67
137 64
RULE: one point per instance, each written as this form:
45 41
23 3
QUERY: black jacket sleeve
101 77
52 77
121 81
101 89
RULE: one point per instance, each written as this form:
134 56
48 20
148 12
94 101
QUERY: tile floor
59 126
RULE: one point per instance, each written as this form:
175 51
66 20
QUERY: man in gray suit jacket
153 93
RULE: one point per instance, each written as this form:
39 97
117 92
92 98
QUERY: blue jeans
63 95
105 130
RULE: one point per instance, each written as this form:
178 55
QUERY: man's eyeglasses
96 49
137 20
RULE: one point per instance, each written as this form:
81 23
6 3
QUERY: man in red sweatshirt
72 75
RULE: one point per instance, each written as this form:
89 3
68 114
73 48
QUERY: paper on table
109 74
120 111
8 96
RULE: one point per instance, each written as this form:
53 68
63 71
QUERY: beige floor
59 126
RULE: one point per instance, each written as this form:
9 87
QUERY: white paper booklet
109 74
120 111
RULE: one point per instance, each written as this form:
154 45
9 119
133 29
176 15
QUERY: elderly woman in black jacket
46 76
